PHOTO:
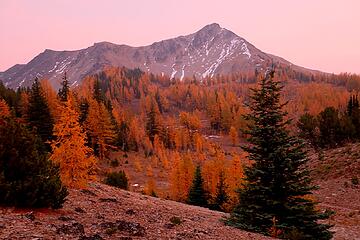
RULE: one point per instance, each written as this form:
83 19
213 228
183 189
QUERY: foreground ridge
103 212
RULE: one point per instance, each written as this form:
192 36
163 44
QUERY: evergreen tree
39 116
98 94
350 106
221 194
64 90
153 125
84 110
27 177
355 102
308 126
117 179
330 127
277 184
197 194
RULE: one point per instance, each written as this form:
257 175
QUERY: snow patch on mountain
55 66
182 73
245 50
174 71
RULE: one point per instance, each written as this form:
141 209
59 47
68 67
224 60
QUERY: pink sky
318 34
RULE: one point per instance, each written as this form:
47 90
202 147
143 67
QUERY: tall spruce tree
39 116
277 184
153 125
221 196
65 89
197 194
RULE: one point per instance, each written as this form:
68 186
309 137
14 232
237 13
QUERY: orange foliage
51 98
99 126
181 176
4 109
77 164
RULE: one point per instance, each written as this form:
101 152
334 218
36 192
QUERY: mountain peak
210 51
212 26
210 29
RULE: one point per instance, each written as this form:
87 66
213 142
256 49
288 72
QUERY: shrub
117 179
27 177
355 180
175 220
114 163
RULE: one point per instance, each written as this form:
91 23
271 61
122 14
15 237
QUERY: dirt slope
103 212
335 171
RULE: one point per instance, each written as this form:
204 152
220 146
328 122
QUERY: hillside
103 212
210 51
335 171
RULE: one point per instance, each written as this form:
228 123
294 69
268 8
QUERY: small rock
200 231
134 229
36 237
88 192
93 237
73 229
130 212
108 200
168 225
65 218
30 216
108 225
79 210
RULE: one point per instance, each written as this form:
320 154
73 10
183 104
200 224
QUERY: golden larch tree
51 97
235 177
4 109
100 128
181 176
233 135
76 160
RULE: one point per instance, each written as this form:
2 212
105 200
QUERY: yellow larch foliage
235 177
160 152
76 160
4 109
150 187
100 128
137 165
181 176
51 98
211 171
233 135
198 142
149 171
24 105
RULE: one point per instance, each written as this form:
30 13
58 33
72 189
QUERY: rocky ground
337 173
103 212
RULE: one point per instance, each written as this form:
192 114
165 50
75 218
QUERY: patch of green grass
111 231
175 220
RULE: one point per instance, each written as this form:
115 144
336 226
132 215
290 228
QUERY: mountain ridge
210 51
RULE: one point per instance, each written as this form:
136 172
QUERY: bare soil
104 212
